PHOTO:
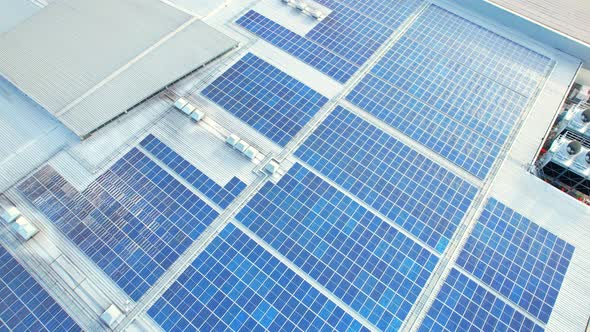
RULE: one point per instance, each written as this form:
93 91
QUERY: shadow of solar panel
134 221
344 40
236 285
463 305
359 257
442 94
410 189
516 257
24 304
222 196
264 97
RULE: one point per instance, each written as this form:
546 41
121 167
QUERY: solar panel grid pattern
24 304
463 305
516 257
505 61
274 103
444 96
134 221
350 34
360 258
223 196
410 189
236 285
302 48
465 95
452 140
346 38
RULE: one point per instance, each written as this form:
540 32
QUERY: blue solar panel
503 60
360 258
266 98
133 221
413 191
223 196
344 40
24 304
236 285
300 47
443 95
463 305
516 257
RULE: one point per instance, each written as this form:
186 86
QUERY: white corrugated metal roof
15 11
75 56
569 17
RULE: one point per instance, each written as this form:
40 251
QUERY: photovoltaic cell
299 46
133 221
223 196
448 92
359 257
264 97
24 304
463 305
344 39
410 189
516 257
236 285
503 60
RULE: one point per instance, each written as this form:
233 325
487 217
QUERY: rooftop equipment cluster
185 107
21 225
242 146
306 8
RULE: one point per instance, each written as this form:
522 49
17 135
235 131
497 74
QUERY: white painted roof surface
92 65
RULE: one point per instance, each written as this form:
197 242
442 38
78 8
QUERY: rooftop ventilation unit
188 109
306 8
232 139
272 166
577 119
197 115
251 153
111 316
241 146
568 162
565 150
180 104
10 214
24 228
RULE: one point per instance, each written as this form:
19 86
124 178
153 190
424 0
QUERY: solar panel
236 285
516 257
463 305
410 189
274 103
133 221
501 59
359 257
24 304
345 39
443 95
223 196
299 46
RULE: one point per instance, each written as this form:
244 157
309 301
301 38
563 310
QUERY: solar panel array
407 187
236 285
464 305
344 40
222 196
360 258
134 221
453 86
24 304
517 258
274 103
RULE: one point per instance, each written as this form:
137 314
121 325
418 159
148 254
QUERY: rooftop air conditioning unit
272 166
565 150
251 153
581 164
